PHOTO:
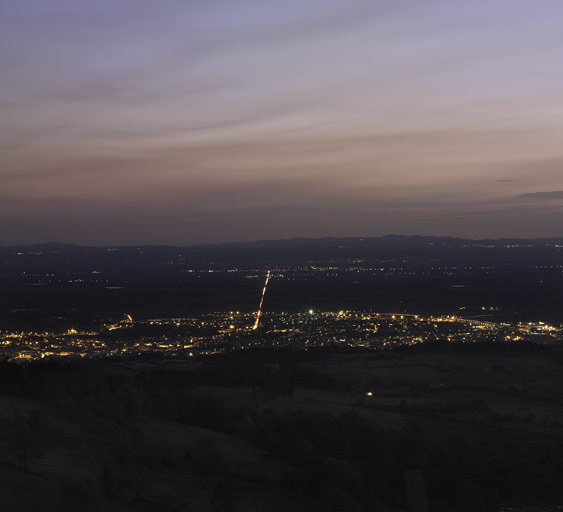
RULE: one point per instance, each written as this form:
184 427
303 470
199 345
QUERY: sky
186 122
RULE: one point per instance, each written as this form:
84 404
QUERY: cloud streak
552 195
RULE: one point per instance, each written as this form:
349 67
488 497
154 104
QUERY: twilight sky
183 121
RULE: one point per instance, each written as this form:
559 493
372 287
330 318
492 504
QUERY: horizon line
290 239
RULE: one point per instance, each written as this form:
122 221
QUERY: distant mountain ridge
373 241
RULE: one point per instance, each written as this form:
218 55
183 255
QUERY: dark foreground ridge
436 428
531 509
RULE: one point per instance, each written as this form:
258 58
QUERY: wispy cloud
544 196
278 119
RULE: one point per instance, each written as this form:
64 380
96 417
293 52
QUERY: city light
216 333
255 326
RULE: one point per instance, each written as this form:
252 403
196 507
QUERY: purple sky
179 121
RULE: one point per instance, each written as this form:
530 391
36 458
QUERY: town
223 332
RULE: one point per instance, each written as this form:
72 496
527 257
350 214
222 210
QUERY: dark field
60 305
56 286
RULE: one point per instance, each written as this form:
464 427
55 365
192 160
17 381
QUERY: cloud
544 196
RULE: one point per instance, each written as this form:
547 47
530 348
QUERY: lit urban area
224 332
